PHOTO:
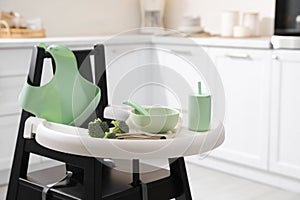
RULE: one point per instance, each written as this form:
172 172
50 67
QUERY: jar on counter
229 19
251 20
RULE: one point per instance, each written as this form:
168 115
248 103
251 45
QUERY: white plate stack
191 24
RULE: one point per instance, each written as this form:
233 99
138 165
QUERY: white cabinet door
8 134
9 128
178 70
285 132
128 69
245 75
14 61
10 88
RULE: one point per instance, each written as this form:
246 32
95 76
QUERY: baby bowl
159 120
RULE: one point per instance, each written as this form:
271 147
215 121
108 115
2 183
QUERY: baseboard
261 176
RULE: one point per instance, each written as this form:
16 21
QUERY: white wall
210 12
94 17
79 17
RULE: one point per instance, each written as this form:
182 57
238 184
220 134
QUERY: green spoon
137 107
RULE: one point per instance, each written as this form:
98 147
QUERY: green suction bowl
159 120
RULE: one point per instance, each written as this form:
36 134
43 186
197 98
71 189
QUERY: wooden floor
212 185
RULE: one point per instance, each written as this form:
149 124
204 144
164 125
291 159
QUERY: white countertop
259 43
29 42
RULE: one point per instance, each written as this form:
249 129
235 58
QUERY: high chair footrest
33 191
114 184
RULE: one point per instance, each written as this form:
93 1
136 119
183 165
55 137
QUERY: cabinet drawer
179 50
10 88
239 55
14 61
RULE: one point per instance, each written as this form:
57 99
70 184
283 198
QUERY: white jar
241 32
251 20
229 19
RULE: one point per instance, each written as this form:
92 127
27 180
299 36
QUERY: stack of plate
191 24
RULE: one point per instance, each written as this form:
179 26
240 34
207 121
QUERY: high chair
86 176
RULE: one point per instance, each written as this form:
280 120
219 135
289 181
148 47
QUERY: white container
251 20
152 12
190 24
229 19
241 32
191 21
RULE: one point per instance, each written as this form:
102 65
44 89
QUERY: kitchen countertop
29 42
257 43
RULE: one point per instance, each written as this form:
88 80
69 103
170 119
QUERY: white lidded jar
241 32
251 20
229 19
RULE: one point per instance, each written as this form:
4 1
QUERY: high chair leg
20 161
177 168
92 180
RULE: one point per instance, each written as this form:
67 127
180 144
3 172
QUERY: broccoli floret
120 127
104 125
97 128
109 135
100 129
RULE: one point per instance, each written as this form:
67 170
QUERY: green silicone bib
68 98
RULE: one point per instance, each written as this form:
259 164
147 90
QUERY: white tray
74 140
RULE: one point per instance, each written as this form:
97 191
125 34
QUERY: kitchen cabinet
10 88
177 71
262 108
128 72
13 69
8 136
175 74
245 75
285 132
14 61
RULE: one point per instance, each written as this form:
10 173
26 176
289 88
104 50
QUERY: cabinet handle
275 57
182 52
238 55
